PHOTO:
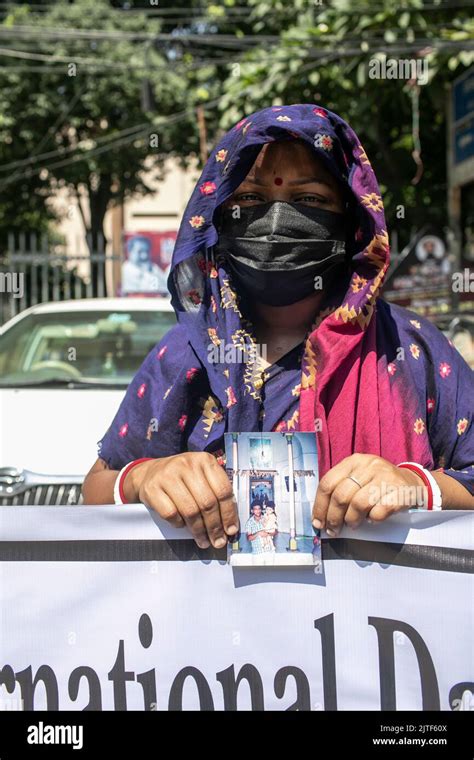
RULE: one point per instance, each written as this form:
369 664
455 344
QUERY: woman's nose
278 193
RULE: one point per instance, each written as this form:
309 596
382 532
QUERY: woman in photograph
283 250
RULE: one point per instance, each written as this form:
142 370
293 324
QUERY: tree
229 59
323 55
81 119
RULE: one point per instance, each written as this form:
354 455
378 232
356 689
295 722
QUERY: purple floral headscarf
373 378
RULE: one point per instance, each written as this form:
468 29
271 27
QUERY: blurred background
108 111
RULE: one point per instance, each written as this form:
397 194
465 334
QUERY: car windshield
80 347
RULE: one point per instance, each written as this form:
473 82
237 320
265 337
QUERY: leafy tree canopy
97 79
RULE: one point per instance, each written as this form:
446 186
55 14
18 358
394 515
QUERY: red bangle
419 471
124 474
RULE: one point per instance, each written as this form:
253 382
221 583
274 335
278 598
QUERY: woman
281 253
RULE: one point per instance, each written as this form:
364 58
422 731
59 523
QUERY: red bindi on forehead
278 181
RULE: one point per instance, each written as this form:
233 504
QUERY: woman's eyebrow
308 180
302 181
254 181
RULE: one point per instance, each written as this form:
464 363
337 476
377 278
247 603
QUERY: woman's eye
310 198
249 197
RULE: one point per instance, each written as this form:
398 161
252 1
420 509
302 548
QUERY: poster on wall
146 264
421 279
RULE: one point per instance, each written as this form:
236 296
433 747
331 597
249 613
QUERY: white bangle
437 495
117 497
436 491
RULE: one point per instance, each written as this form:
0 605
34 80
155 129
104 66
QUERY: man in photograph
256 532
139 273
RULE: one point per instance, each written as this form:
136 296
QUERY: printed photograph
274 477
146 265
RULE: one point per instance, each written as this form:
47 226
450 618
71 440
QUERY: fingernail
317 524
232 529
220 543
331 533
203 544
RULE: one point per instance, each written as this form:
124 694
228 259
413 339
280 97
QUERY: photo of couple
262 527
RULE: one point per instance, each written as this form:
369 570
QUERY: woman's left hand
378 489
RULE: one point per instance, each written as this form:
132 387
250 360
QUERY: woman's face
291 172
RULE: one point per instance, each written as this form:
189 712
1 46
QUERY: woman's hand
384 489
189 489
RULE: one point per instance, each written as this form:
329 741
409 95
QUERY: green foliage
231 58
80 98
325 60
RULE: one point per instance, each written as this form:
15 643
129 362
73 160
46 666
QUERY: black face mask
275 250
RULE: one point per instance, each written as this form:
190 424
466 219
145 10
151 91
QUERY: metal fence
41 272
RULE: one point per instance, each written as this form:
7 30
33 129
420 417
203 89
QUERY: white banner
109 608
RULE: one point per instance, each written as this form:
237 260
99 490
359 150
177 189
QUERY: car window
100 345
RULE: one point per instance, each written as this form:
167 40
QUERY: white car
64 369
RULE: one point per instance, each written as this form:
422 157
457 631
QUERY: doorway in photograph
261 490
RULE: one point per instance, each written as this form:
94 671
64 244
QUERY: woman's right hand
189 489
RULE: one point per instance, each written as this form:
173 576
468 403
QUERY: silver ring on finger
351 477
